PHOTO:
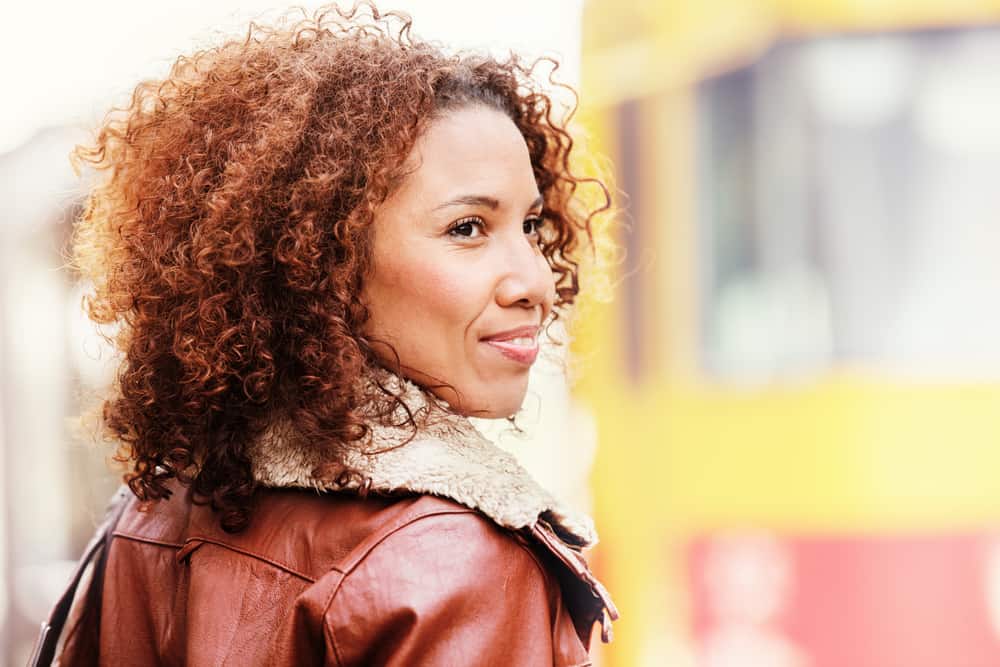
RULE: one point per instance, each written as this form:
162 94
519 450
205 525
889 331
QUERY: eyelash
536 222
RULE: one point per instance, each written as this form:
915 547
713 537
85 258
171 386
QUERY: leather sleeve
451 589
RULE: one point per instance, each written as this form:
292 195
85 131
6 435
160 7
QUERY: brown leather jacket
464 561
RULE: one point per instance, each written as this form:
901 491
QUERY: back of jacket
335 579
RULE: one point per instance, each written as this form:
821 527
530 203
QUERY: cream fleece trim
447 457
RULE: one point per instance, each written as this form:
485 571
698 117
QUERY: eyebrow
482 200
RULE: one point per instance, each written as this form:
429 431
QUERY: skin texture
450 271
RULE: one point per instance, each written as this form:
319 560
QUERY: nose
525 277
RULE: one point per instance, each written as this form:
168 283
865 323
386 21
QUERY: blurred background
785 419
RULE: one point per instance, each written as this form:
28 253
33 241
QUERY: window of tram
849 208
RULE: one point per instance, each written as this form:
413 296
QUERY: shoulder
310 534
436 530
445 586
395 537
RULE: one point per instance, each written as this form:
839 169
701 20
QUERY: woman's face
460 286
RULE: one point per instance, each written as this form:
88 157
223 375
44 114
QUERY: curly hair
229 236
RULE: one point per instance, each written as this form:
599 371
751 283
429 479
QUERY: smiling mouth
521 348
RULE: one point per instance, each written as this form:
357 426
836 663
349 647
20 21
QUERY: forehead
474 149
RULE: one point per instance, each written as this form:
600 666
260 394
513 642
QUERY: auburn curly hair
228 237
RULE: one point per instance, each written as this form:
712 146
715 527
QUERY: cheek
443 287
425 292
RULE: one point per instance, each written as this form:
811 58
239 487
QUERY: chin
497 403
488 400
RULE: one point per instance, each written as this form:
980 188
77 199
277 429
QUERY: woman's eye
533 225
470 228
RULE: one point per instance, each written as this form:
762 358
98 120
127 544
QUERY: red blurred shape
766 600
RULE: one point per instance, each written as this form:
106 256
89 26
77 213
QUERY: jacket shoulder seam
147 540
396 527
256 556
361 552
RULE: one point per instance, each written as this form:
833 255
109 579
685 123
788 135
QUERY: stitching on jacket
327 630
361 552
251 554
147 540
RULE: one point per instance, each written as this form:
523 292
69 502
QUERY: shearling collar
447 457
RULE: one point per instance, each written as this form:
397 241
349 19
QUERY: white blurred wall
77 57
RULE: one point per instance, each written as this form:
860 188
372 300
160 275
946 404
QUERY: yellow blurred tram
797 383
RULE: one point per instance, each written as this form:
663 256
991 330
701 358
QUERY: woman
326 246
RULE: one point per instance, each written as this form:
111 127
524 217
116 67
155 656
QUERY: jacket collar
446 457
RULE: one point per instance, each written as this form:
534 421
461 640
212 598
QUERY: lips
519 345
